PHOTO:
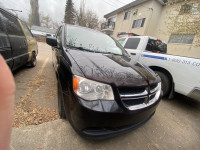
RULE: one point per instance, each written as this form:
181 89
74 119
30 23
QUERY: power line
121 2
110 4
115 3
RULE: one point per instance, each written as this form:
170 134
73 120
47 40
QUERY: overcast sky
56 8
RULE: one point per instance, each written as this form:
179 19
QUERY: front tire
166 83
61 109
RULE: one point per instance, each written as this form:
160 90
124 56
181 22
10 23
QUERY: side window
12 25
1 25
156 46
2 30
132 43
121 41
26 29
4 41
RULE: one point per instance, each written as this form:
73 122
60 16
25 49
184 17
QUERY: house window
190 9
127 15
182 38
138 23
113 19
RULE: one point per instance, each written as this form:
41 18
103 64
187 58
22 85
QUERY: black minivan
17 44
99 91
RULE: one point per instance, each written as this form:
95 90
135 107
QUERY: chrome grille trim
134 95
144 105
152 90
131 98
147 99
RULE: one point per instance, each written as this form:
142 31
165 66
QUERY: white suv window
132 43
121 41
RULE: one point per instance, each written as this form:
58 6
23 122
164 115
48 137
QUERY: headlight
92 90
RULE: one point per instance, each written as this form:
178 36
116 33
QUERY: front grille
135 91
136 101
128 93
138 98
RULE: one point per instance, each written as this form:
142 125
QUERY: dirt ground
175 125
36 96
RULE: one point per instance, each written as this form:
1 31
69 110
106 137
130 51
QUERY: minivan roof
8 11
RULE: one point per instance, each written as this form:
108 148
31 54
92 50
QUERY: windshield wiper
112 53
83 49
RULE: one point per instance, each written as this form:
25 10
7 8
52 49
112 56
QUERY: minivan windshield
93 41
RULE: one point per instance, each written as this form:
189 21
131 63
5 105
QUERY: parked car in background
17 44
178 74
101 94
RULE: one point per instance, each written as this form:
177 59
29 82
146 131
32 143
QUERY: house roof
132 4
43 29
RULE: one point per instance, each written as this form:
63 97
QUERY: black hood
113 69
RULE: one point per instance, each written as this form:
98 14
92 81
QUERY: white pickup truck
179 74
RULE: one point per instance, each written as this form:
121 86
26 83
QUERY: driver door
132 46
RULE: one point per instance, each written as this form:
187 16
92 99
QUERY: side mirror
52 41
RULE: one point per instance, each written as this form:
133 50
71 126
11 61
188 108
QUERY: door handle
25 43
133 53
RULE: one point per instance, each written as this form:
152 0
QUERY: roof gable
132 4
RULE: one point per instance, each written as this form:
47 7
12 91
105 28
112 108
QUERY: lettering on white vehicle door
175 60
182 61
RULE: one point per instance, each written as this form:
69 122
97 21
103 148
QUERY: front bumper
104 119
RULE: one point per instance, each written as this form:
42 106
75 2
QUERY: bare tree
80 15
86 18
92 21
55 24
47 21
